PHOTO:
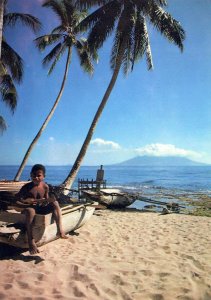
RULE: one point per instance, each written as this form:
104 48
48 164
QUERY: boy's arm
49 196
46 196
22 200
26 202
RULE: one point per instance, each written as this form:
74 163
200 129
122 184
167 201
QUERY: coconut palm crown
11 64
66 35
63 38
128 19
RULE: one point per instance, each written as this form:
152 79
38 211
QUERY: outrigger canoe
109 197
12 228
12 221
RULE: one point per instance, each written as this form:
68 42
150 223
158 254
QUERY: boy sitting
34 198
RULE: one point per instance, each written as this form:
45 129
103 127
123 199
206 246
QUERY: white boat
12 229
110 197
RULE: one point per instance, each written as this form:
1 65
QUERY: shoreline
129 254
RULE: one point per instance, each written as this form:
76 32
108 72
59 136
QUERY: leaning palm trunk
20 170
68 182
1 22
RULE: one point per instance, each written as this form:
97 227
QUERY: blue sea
158 183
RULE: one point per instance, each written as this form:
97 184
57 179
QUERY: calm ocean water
159 183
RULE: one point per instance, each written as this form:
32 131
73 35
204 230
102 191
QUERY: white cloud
51 138
105 144
166 150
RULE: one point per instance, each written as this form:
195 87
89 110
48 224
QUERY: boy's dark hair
38 167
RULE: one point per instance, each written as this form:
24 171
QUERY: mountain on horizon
160 161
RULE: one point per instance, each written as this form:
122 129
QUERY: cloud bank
105 144
103 151
166 150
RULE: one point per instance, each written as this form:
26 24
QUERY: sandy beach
130 255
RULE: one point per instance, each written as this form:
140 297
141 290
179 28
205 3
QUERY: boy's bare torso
35 191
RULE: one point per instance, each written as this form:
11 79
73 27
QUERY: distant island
171 161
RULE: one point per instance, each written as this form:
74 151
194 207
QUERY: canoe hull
111 198
44 229
11 186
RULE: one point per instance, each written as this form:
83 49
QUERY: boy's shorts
43 209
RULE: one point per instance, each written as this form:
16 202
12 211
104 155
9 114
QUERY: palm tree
131 41
65 36
11 64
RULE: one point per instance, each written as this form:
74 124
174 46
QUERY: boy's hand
46 200
30 201
26 202
43 201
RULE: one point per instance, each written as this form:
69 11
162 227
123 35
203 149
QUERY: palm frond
126 61
95 55
3 125
90 3
69 10
161 2
54 55
8 91
104 24
139 37
59 29
148 51
90 20
58 8
128 35
122 39
166 24
3 69
85 56
46 40
141 41
98 14
80 15
11 19
86 62
12 61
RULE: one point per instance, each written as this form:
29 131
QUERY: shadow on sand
122 210
10 252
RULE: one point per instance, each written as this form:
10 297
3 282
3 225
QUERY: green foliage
203 212
3 125
30 21
11 64
66 36
197 204
46 40
129 20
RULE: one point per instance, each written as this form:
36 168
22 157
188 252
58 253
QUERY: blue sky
166 111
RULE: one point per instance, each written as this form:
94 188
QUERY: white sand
118 255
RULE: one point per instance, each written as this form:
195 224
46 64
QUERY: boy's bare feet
62 235
33 248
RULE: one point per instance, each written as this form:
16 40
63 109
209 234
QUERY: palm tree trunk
20 170
67 184
1 22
